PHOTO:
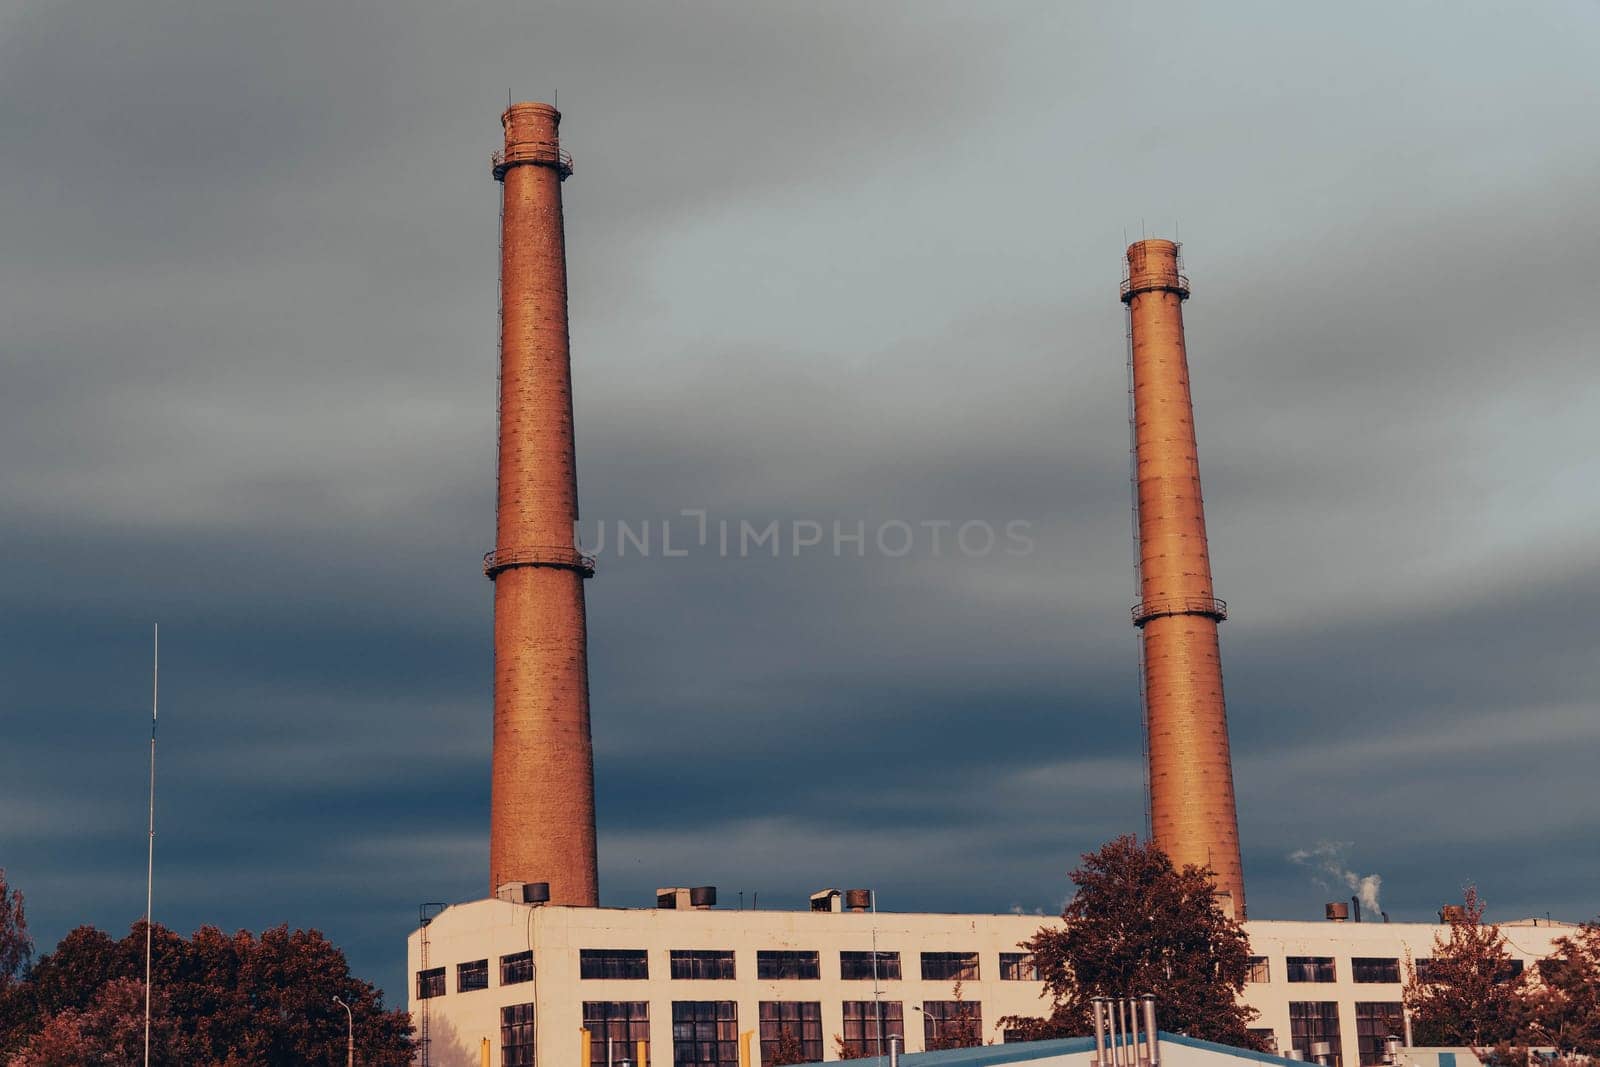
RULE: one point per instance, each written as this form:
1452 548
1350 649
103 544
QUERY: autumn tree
1563 1003
961 1028
109 1032
225 999
1471 992
789 1049
1138 925
16 947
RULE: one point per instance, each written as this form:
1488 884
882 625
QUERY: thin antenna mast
150 861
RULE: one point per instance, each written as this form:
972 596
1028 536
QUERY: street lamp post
350 1031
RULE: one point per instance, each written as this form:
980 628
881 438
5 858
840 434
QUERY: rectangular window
869 1024
778 965
1513 970
950 966
858 966
430 983
516 1035
613 963
1311 1023
1260 970
517 967
952 1023
1376 1022
1424 969
1309 969
705 1033
470 976
702 963
791 1031
1375 969
1018 967
625 1022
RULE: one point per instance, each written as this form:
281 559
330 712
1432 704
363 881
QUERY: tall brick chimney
1193 816
541 826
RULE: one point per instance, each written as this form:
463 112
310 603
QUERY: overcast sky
835 263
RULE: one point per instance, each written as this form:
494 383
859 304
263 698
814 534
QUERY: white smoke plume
1327 860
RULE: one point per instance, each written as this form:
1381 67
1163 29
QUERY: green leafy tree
1470 993
1137 925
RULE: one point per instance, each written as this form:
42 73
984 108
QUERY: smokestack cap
1154 265
532 140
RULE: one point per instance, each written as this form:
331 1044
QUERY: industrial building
537 972
689 980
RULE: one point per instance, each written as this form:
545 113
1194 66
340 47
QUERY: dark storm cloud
827 265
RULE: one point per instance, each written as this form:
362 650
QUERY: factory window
705 1033
1513 970
1260 970
1310 969
516 1035
613 963
1374 969
770 965
950 966
1424 969
1267 1036
861 966
1376 1022
517 967
702 963
430 983
869 1024
791 1031
952 1023
470 976
1018 967
1310 1024
624 1023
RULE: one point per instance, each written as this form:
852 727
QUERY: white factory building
520 983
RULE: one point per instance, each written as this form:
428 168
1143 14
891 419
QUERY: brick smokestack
1193 816
541 825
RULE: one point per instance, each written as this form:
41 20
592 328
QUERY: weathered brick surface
542 805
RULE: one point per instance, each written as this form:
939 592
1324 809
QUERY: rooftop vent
524 892
1452 913
858 900
825 900
1337 911
680 898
